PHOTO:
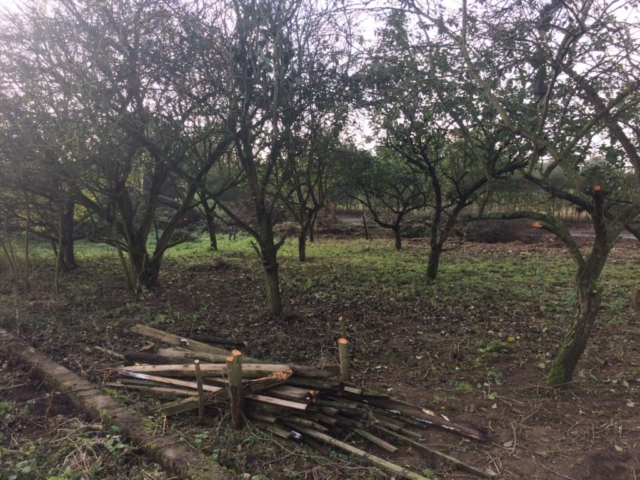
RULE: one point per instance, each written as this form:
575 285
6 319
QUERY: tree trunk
211 224
589 297
68 257
396 232
146 269
274 298
302 246
575 340
435 249
312 226
434 261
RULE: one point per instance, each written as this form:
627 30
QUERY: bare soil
481 361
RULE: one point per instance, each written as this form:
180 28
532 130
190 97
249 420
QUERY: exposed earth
474 346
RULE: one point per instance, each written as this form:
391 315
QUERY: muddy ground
477 354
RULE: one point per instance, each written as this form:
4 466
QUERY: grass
490 304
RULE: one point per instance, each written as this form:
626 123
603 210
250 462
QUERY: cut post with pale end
343 350
200 389
236 394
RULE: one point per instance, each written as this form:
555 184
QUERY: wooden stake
200 389
236 395
423 417
170 381
176 340
150 390
288 392
295 422
454 461
277 401
379 462
254 370
343 350
315 384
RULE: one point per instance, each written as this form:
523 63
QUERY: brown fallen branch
422 417
295 422
222 396
280 432
260 384
321 417
395 425
156 391
179 352
172 339
221 341
276 401
337 403
359 430
170 381
299 370
330 386
352 390
147 383
454 461
191 403
289 392
251 370
153 359
377 461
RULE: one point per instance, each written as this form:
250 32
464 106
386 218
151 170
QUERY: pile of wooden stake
291 401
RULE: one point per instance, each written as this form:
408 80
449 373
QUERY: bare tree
560 78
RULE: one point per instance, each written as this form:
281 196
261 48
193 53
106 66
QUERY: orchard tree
136 83
307 174
288 58
562 80
387 186
435 124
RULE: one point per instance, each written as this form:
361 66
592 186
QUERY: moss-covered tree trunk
589 293
576 338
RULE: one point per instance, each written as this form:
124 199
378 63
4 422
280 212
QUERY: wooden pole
343 327
200 390
236 396
378 462
343 350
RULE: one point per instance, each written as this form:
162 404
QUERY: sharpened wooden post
343 350
200 389
236 397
